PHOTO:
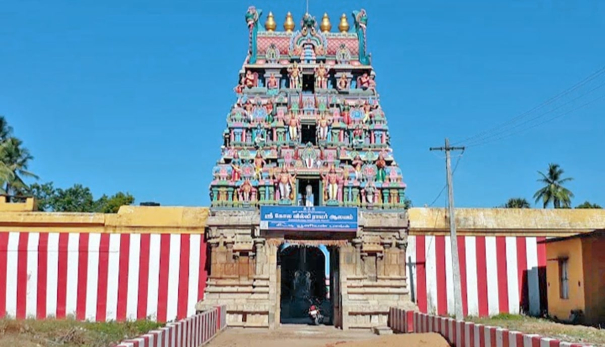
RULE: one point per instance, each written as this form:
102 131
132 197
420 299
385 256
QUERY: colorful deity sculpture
259 164
331 181
321 76
380 166
343 83
364 81
250 79
236 170
245 190
272 85
285 181
252 18
360 18
357 165
293 125
322 126
370 192
295 73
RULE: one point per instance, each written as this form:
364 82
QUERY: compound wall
150 262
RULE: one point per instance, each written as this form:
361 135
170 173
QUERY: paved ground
288 336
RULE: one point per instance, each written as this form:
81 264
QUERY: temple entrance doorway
307 278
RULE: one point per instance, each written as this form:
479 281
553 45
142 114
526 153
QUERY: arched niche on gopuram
308 44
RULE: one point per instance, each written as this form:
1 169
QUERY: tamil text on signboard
308 218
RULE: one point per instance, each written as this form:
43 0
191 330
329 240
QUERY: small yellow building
575 274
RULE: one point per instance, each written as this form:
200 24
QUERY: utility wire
486 138
541 123
576 86
445 186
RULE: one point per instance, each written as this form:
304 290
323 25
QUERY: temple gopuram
307 180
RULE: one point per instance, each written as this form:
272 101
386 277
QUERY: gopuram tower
306 181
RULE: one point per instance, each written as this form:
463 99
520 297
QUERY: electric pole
453 238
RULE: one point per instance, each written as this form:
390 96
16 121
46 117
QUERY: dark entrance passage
304 281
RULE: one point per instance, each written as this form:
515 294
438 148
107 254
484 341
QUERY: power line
538 124
513 120
445 186
505 130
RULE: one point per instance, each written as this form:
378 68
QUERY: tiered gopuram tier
307 127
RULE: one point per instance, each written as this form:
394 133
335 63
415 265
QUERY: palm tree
15 159
553 190
517 203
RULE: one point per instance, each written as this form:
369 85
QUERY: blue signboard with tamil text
319 218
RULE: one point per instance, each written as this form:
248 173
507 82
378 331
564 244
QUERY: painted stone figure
370 192
343 83
236 170
293 124
380 165
252 17
322 125
331 180
321 76
259 164
251 79
363 81
245 190
357 165
285 182
272 85
295 73
358 136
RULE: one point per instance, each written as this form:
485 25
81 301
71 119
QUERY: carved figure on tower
322 125
285 182
331 181
272 85
357 165
259 164
358 136
293 125
321 76
252 17
343 83
295 73
381 166
370 192
251 79
235 168
245 190
360 18
363 81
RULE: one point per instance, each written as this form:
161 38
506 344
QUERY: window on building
309 134
564 278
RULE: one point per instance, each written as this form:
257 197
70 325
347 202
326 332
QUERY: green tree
587 205
15 160
112 204
45 195
517 203
75 199
553 190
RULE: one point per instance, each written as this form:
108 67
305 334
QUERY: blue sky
132 95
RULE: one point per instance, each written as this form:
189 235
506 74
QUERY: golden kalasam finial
343 26
270 24
325 25
289 23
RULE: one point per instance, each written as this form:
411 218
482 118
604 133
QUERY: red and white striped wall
101 277
467 334
499 274
192 331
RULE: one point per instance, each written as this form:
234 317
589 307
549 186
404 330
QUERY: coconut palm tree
553 190
517 203
15 160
